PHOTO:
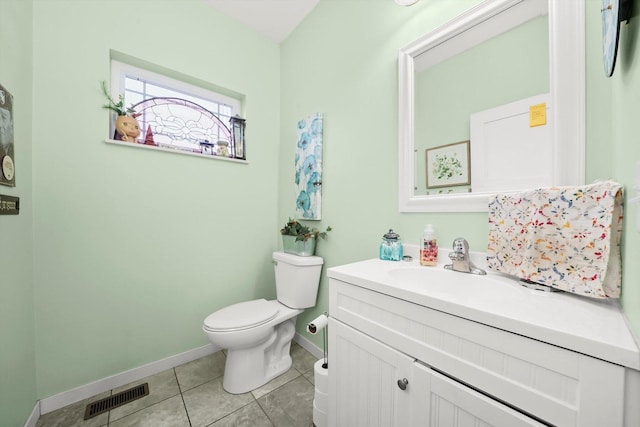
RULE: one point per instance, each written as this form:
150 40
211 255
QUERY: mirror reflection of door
512 66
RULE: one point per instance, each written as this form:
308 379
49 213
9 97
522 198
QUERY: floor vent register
103 405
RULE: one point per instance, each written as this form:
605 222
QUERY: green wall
17 344
350 74
133 249
125 251
612 137
342 61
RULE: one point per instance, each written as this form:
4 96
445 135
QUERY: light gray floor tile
162 386
303 361
291 405
168 413
209 402
250 415
73 415
200 371
275 383
310 376
287 399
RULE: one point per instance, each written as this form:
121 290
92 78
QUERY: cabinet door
363 381
448 403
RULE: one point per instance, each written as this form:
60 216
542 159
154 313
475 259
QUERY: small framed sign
448 165
9 205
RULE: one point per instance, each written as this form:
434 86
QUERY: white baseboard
308 345
77 394
34 417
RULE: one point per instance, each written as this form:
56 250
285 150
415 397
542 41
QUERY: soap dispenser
391 247
429 246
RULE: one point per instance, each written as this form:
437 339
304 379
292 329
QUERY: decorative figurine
127 128
148 138
223 148
207 147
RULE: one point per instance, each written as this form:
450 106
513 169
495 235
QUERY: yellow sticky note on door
538 115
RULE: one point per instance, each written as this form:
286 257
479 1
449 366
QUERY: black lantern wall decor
237 133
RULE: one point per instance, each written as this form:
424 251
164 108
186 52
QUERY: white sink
437 280
593 327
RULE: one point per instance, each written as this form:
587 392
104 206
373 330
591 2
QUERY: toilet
257 334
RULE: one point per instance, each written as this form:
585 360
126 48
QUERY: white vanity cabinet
366 375
376 385
395 362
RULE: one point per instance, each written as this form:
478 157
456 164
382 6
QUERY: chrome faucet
460 260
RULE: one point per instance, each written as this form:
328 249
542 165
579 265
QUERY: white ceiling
275 19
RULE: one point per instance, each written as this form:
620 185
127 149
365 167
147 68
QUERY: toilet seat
240 316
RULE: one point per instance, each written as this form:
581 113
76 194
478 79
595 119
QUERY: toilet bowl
257 334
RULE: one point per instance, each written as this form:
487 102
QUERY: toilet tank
297 279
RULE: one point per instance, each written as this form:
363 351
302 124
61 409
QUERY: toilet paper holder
317 324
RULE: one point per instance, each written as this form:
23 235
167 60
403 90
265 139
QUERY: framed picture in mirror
448 165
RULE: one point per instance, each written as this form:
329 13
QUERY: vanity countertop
594 327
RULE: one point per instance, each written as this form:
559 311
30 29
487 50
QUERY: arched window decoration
178 114
184 125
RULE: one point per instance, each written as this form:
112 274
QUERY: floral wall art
308 164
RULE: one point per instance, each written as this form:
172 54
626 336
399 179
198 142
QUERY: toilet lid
242 315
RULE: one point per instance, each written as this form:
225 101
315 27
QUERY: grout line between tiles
265 413
182 397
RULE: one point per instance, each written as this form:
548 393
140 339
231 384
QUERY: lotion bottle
429 246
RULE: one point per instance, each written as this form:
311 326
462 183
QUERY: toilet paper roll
321 401
317 324
320 418
321 377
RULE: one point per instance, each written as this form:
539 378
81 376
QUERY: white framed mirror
566 91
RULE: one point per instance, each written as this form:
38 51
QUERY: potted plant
299 239
127 127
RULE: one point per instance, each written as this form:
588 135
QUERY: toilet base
247 369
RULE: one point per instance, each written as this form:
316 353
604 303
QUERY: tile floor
191 395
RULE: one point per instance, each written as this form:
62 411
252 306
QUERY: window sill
173 150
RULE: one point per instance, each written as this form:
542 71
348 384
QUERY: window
177 114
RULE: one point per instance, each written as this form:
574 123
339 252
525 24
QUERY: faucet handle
460 245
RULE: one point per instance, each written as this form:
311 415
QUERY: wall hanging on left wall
308 163
7 156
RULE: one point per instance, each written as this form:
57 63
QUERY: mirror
491 18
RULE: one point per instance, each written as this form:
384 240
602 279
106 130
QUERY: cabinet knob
403 383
